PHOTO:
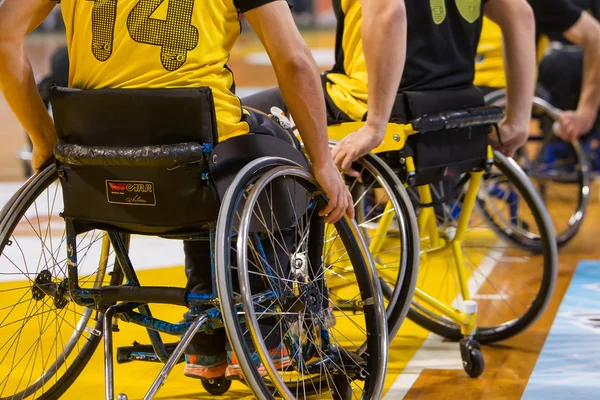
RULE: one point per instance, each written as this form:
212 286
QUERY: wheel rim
33 263
303 329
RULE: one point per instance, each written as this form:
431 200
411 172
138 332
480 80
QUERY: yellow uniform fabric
489 63
156 44
348 88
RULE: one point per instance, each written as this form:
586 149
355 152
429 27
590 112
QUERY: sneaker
205 367
280 357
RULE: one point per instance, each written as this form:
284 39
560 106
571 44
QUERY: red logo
118 187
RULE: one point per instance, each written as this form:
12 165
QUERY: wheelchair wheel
511 285
45 339
380 198
559 170
283 316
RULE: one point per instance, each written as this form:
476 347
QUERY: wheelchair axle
44 286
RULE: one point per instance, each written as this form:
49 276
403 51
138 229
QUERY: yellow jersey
150 44
347 82
489 62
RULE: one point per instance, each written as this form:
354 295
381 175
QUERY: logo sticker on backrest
133 193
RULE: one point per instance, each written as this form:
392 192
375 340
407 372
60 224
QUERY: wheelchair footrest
143 352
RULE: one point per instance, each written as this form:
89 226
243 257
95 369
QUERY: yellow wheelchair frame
438 245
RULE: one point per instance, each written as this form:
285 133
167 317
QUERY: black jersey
441 48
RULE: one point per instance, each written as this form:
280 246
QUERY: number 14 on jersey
175 35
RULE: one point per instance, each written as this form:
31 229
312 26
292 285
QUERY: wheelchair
474 285
560 170
140 163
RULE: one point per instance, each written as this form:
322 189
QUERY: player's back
441 43
442 40
156 44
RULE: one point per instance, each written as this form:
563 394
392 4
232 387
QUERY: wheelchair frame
439 244
135 296
427 223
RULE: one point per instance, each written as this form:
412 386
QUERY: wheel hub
40 285
44 286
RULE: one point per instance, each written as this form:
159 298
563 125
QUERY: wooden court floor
508 364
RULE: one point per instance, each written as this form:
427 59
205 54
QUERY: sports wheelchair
148 163
475 284
560 170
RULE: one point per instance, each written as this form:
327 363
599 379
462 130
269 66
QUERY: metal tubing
428 215
172 361
460 269
109 383
444 309
124 261
468 204
382 228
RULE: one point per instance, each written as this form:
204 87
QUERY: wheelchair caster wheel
472 358
122 396
216 386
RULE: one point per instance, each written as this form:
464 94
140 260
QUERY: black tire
312 291
472 357
217 386
571 188
545 242
10 218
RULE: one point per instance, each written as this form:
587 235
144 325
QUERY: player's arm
300 85
384 46
585 33
516 20
17 19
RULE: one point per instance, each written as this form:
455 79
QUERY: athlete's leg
205 356
560 73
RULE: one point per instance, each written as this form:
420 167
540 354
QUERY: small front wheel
216 386
472 358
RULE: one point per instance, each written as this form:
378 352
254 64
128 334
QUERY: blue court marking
569 364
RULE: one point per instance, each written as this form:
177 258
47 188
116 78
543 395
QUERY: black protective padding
148 197
134 117
167 156
284 200
470 117
447 147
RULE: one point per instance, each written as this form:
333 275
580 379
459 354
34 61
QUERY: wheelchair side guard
230 156
393 140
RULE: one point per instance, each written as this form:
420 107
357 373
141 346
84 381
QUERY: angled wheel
288 265
559 170
511 284
45 339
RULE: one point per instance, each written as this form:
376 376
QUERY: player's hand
513 135
573 124
42 152
356 145
340 200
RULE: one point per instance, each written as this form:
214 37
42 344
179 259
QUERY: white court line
436 352
325 57
490 297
